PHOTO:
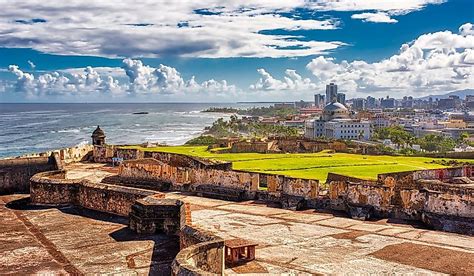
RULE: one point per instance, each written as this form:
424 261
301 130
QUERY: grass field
312 165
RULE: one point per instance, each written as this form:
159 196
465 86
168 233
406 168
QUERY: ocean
30 128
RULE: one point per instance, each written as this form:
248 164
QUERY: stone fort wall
52 188
67 155
441 198
16 172
105 153
404 195
225 184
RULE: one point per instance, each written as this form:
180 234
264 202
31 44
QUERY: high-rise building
371 102
358 104
318 100
331 93
452 102
388 102
341 98
407 102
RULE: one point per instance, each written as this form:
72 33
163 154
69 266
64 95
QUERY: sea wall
202 253
16 172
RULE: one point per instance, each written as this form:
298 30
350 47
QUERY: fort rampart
16 172
430 196
441 198
52 188
217 183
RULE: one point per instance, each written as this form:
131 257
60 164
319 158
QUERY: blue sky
236 50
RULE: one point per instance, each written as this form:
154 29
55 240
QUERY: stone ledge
202 253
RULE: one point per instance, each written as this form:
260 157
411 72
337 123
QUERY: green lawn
312 165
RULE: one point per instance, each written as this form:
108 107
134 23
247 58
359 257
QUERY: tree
463 137
437 143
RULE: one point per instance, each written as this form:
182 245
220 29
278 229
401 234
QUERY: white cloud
154 28
393 6
31 64
466 29
291 81
137 79
434 62
55 83
167 80
379 17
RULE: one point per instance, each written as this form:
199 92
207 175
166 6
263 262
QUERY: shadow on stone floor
164 248
374 220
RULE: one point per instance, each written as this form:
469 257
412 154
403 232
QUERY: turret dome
98 132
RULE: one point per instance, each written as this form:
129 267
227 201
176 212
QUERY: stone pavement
55 241
308 242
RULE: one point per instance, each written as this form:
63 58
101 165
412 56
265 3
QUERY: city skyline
236 51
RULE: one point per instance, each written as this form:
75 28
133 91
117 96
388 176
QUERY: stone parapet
202 253
16 172
149 211
441 198
231 185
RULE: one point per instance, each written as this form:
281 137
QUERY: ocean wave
72 130
36 124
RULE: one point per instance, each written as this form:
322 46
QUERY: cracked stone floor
76 241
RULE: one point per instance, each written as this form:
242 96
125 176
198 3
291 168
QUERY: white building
336 123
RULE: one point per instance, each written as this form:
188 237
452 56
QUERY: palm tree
463 137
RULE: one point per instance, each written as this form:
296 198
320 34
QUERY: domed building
335 123
335 110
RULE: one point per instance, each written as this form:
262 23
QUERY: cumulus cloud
138 79
55 83
466 29
167 80
379 17
434 62
156 28
291 81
